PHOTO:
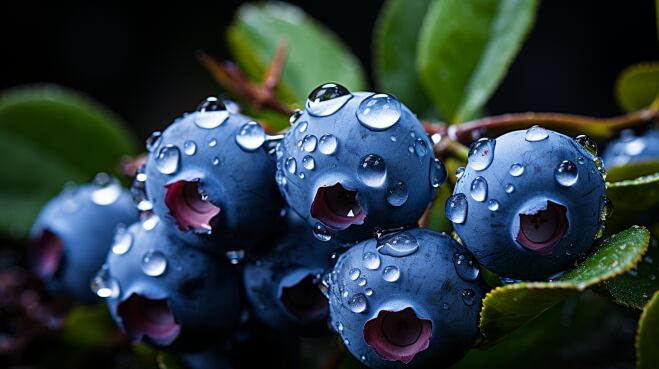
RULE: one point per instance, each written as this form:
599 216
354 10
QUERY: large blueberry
281 282
630 148
161 291
407 300
355 162
209 173
73 232
529 202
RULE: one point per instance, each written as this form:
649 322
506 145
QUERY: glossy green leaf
634 194
395 44
509 307
632 170
635 288
465 48
647 336
638 86
314 54
49 136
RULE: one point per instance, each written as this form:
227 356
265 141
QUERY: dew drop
420 147
371 260
566 173
606 208
379 112
493 205
168 159
397 193
581 160
392 138
122 241
103 285
212 142
211 113
599 164
291 165
309 143
459 172
106 190
509 188
456 208
445 306
150 223
358 303
295 116
468 296
327 144
362 281
251 136
235 256
354 273
391 273
327 99
372 170
536 133
321 232
308 162
215 161
465 266
478 190
368 292
481 154
587 143
153 141
189 147
516 170
154 263
437 173
302 127
397 245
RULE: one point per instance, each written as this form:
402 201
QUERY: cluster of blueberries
226 225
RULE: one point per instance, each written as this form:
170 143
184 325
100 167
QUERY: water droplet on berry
309 143
599 164
295 116
211 113
516 170
391 273
251 136
379 112
465 266
493 205
189 147
420 147
481 154
509 188
168 159
235 256
339 326
587 143
103 285
122 241
215 161
478 190
368 292
456 208
138 191
581 160
321 232
397 245
459 172
327 144
301 175
212 142
327 99
106 190
291 165
566 173
445 306
606 208
536 133
397 193
437 173
150 223
393 138
354 273
153 141
372 170
154 263
358 303
361 281
468 296
371 260
308 162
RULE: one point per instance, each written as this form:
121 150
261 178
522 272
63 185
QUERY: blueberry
355 162
281 282
161 291
632 149
209 173
406 300
529 202
73 233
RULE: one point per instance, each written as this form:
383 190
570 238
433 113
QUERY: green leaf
48 136
314 54
88 326
635 288
167 360
647 336
465 48
632 170
509 307
395 44
638 86
634 194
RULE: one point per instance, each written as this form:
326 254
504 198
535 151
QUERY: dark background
139 59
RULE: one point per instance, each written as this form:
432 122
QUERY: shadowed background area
140 60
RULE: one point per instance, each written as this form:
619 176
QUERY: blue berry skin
281 282
384 173
165 293
209 173
544 203
632 149
419 275
73 233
